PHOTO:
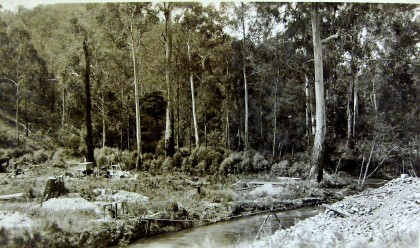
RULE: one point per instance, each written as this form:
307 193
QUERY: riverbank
155 204
385 217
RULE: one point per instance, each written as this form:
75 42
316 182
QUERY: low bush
299 169
16 153
70 140
230 164
128 159
107 155
281 168
41 156
248 161
201 161
25 159
259 163
59 155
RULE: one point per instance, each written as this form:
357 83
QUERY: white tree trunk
103 122
375 105
275 118
308 119
320 130
17 111
355 105
246 143
197 142
137 103
169 128
64 108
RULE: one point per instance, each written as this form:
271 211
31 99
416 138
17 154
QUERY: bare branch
74 73
334 36
10 80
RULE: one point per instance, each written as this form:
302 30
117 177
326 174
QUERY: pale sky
29 4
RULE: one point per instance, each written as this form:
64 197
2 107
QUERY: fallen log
18 196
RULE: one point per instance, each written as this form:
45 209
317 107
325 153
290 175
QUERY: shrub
259 163
27 158
70 140
230 164
177 162
40 156
246 165
299 169
156 165
128 159
185 152
186 165
281 168
168 164
107 155
16 153
59 155
160 148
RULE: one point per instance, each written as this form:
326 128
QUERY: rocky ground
385 217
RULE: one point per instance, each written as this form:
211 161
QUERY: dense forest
208 90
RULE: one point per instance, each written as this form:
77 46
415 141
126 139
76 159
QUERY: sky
29 4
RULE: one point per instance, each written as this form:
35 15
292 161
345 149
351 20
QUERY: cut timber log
18 196
342 212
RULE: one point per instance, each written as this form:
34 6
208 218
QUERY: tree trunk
227 107
275 118
169 129
103 123
26 117
355 107
246 143
197 142
137 103
375 105
63 119
17 111
54 188
318 148
89 138
308 111
178 104
350 115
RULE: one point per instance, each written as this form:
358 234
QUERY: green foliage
16 153
41 156
300 169
281 168
25 159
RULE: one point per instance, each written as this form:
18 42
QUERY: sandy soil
70 204
385 217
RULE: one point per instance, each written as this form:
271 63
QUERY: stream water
234 233
227 233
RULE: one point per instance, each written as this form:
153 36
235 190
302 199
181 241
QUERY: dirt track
385 217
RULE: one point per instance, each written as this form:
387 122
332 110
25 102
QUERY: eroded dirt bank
385 217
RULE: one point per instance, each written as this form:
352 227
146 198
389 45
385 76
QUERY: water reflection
227 234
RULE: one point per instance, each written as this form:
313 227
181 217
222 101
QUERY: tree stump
3 161
54 188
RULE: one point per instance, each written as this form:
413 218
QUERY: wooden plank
342 212
262 183
13 196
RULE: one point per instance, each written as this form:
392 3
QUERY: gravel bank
385 217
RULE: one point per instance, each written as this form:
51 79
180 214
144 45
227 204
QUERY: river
234 233
228 233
